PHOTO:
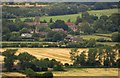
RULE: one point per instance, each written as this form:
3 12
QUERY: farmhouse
71 25
26 35
58 30
73 38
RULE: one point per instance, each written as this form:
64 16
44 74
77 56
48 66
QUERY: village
37 25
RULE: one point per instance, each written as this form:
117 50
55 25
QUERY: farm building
72 26
26 35
58 30
73 38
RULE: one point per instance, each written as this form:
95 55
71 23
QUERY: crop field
98 13
60 54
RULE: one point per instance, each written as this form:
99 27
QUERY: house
71 25
59 30
73 38
26 35
44 24
36 23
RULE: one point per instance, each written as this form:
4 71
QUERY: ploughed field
60 54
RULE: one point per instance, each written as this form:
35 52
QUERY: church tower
36 23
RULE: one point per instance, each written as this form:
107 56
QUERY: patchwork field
60 54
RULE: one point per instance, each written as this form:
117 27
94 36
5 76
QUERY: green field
107 12
87 37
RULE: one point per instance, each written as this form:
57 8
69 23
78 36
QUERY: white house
26 35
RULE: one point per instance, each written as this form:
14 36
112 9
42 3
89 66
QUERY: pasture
87 37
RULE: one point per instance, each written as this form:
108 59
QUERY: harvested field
60 54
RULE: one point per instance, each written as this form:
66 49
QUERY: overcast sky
59 0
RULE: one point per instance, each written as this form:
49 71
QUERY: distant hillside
98 13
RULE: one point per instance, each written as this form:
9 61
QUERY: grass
72 72
87 72
13 74
109 43
98 13
87 37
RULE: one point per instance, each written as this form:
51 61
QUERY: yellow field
60 54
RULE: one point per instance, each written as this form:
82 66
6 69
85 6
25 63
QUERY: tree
78 20
58 67
99 25
102 5
17 20
92 56
15 36
81 59
24 30
85 15
13 27
25 60
55 36
59 24
51 20
91 43
69 20
58 37
48 75
104 17
9 59
73 53
85 27
116 37
44 29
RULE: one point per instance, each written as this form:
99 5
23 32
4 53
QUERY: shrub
66 64
48 75
58 67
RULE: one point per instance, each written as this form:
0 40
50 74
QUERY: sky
59 0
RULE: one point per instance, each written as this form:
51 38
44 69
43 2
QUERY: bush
116 37
48 75
58 67
32 74
102 40
66 64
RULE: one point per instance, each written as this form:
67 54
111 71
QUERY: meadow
98 13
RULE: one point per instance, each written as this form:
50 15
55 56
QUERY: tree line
29 64
106 56
55 9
